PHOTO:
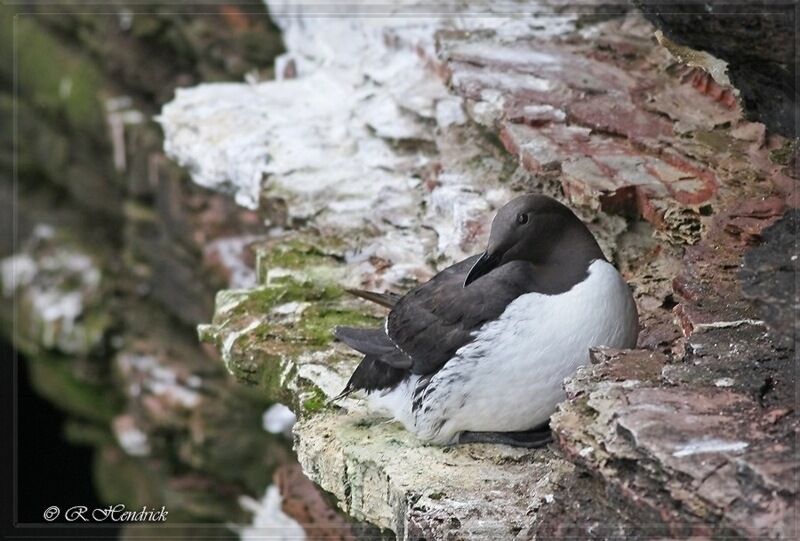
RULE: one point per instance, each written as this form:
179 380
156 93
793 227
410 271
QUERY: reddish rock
625 130
693 442
637 365
704 83
307 504
715 425
707 282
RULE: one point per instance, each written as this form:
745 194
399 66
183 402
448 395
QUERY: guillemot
479 352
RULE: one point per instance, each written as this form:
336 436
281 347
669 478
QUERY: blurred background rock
105 248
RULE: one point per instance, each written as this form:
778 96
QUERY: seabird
479 352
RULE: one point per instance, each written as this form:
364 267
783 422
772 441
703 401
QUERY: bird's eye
522 218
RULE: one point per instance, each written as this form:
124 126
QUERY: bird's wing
373 343
431 322
384 365
372 375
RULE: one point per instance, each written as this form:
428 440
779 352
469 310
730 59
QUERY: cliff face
757 42
380 153
377 155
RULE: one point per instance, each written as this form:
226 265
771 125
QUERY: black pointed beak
485 264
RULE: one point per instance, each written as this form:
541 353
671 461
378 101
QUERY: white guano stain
700 327
278 419
712 445
326 138
231 338
269 521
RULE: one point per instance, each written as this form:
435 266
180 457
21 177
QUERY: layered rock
712 426
383 163
757 42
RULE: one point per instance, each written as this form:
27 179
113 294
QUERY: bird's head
537 229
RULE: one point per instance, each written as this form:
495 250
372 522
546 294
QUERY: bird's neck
568 263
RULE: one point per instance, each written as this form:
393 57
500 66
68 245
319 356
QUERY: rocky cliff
379 154
375 156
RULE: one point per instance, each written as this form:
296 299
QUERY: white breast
509 378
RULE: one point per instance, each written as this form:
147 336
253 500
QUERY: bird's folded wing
375 344
433 321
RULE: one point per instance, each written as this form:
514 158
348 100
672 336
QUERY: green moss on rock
318 322
57 81
55 379
120 478
295 254
300 258
784 154
315 402
266 334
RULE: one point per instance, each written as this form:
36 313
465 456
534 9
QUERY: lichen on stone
268 333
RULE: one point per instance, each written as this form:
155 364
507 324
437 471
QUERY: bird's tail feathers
348 390
367 341
387 299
